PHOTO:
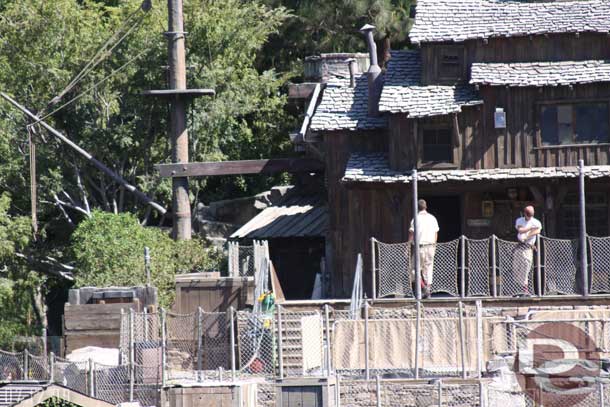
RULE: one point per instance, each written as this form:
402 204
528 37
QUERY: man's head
422 205
528 212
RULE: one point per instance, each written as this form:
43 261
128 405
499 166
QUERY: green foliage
57 402
109 251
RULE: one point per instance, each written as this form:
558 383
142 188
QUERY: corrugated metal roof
295 216
13 393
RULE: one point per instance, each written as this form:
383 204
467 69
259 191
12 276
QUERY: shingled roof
345 108
460 20
540 73
404 93
374 167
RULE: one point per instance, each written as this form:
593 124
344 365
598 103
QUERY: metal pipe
147 265
583 228
416 238
374 72
373 269
602 396
337 390
494 285
163 347
440 393
232 332
91 378
417 338
26 365
479 306
378 389
328 341
131 354
463 264
97 164
51 367
367 372
280 337
462 341
539 266
199 342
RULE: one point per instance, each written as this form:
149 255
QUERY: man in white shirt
528 228
427 233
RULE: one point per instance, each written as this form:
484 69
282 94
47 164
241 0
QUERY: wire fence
493 267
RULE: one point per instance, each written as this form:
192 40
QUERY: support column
583 229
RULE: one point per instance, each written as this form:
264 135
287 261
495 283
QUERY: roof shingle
374 167
403 92
460 20
345 108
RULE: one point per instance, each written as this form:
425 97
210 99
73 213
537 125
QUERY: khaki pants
426 262
522 263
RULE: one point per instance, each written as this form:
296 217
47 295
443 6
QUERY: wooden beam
301 90
270 166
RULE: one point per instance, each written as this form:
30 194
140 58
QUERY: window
574 123
596 215
437 146
450 64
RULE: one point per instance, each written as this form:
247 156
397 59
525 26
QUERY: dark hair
422 205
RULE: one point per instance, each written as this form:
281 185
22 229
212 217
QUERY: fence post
378 389
163 346
583 228
366 341
26 365
232 333
337 390
482 401
479 338
373 269
440 393
91 378
462 341
539 265
416 239
51 367
602 400
199 342
131 353
463 264
280 336
145 324
328 342
417 336
494 285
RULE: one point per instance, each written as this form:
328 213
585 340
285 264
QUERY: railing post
232 340
91 378
417 338
367 372
26 365
602 399
280 336
51 367
416 263
479 306
463 264
378 389
145 324
373 269
440 393
337 390
199 342
131 354
462 341
539 265
494 285
328 342
583 229
163 347
482 401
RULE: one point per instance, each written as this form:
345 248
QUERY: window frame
544 103
457 51
421 163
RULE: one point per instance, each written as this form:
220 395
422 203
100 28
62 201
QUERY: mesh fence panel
257 339
112 383
11 366
394 267
440 348
599 249
146 388
560 259
216 341
503 398
72 375
399 394
515 262
477 261
460 395
181 345
38 368
445 269
302 343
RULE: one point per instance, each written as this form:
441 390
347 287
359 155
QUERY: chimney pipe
352 72
373 74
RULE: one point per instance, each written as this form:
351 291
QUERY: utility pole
180 142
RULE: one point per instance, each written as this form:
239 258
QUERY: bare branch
83 192
63 211
71 205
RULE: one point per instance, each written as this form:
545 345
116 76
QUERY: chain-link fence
257 343
491 267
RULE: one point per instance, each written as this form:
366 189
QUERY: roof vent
374 72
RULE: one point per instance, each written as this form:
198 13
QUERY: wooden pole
33 188
583 229
180 152
117 178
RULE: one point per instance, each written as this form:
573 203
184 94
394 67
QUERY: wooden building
494 108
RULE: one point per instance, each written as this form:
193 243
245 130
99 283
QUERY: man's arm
436 237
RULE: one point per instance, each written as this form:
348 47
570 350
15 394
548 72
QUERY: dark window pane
451 63
549 127
591 123
437 145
